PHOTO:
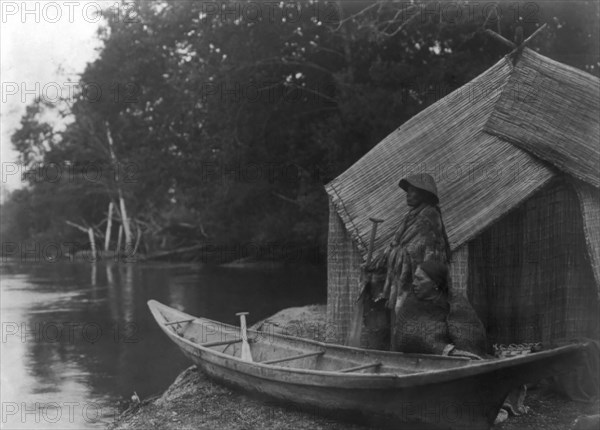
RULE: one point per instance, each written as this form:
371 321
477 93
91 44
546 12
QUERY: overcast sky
41 48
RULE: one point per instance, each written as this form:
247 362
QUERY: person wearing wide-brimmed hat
420 237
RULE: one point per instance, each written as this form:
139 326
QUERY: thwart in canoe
417 390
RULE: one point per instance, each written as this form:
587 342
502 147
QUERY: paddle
246 354
357 318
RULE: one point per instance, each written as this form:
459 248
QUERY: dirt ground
195 402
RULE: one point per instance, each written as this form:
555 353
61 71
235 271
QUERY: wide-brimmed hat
422 181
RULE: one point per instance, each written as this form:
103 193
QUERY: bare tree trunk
92 244
126 226
119 241
108 226
90 232
138 238
124 219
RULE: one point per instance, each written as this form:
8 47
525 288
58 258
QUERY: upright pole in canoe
356 324
375 222
246 354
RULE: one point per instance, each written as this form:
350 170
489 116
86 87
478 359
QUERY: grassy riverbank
195 402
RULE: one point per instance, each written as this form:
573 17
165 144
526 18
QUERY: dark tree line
203 126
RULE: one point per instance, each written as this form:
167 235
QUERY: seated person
432 321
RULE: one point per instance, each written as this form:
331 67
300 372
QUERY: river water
77 338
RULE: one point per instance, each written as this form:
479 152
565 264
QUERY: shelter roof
489 145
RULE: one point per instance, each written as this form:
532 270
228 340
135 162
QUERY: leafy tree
225 126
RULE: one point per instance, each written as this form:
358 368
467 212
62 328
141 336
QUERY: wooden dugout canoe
417 390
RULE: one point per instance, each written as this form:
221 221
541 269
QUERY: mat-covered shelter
515 154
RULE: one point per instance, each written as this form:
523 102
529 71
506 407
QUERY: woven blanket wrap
429 326
421 236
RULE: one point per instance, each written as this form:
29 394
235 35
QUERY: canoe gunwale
315 343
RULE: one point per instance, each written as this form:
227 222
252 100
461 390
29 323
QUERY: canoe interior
268 346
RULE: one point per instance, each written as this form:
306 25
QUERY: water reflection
79 337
